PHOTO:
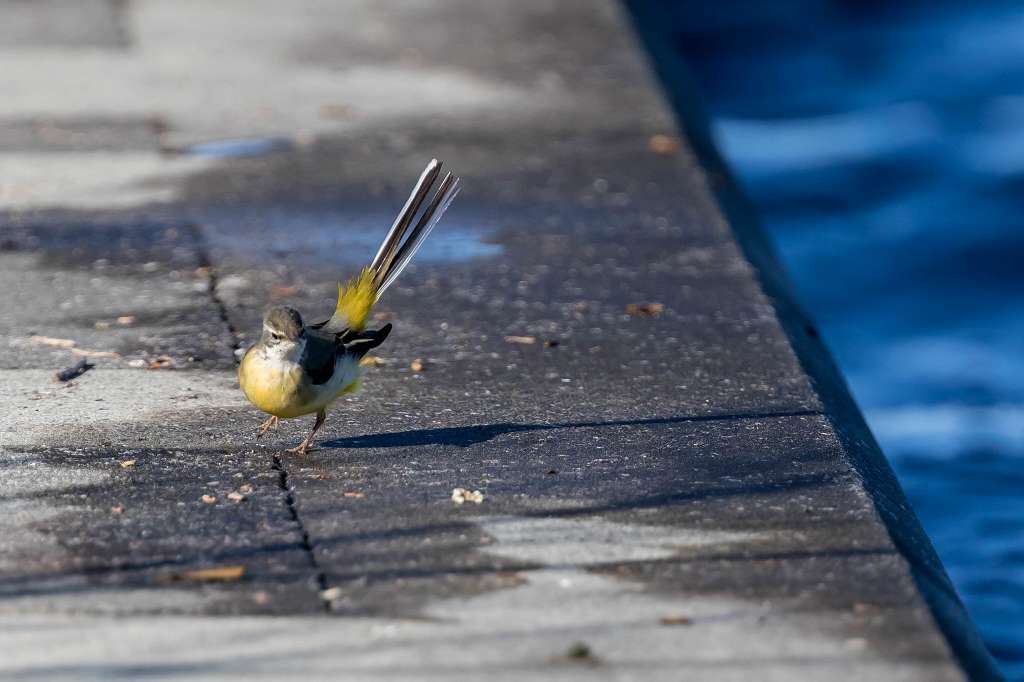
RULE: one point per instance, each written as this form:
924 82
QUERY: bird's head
283 330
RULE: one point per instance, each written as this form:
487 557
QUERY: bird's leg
270 423
307 444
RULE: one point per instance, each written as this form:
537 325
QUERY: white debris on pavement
462 495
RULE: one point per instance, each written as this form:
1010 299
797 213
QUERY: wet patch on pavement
275 236
234 147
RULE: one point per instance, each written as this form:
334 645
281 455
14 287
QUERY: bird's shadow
467 436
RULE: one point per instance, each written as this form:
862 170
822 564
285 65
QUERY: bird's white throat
285 351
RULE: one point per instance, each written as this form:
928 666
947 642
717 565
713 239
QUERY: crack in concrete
307 545
203 258
204 261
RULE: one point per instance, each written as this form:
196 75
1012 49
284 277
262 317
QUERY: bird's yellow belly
281 390
275 388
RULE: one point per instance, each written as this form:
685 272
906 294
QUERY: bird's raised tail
357 297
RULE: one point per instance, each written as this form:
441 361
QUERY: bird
295 369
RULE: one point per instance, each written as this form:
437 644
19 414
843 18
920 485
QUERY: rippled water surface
883 143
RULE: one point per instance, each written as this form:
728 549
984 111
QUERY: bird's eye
275 336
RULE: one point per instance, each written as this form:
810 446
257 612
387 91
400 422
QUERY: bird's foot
302 448
307 444
271 423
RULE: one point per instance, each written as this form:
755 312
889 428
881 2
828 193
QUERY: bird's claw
271 423
301 449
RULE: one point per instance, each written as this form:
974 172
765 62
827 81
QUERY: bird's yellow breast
283 389
273 387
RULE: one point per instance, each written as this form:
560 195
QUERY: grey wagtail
297 369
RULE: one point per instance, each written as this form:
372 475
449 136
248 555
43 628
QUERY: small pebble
462 495
330 594
524 340
579 651
663 145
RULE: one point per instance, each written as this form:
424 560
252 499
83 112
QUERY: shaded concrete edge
858 442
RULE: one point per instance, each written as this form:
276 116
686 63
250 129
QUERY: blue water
883 143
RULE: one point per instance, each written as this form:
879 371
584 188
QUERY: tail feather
442 200
357 297
412 205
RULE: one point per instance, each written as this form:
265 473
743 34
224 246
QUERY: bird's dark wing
319 357
322 350
362 343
